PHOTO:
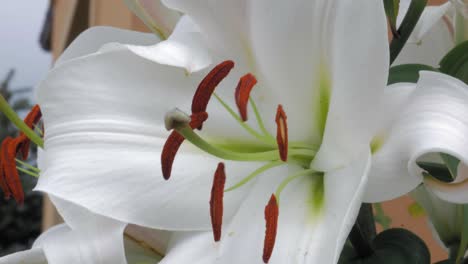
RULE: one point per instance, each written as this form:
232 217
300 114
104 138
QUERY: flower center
276 152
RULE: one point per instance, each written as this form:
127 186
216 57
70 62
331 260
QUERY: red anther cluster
199 104
9 177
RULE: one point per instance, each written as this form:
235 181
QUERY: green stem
255 174
28 165
406 28
242 123
19 123
461 28
290 178
191 136
464 236
35 175
260 120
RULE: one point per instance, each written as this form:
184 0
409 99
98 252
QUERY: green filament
255 174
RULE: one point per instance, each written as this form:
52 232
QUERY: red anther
208 84
169 152
10 148
216 201
173 143
30 120
271 218
242 94
3 183
282 133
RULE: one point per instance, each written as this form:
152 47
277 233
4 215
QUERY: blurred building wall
71 17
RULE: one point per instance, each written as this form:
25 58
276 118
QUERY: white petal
445 217
185 48
92 39
97 239
103 115
358 65
191 247
435 120
32 256
431 39
158 18
222 23
306 234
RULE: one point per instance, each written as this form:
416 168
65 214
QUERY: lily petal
103 115
356 95
435 120
92 39
312 225
158 18
185 48
191 247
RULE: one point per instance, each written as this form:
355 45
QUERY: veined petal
98 239
185 48
103 115
356 94
92 39
445 217
315 217
158 18
191 247
432 37
435 120
61 244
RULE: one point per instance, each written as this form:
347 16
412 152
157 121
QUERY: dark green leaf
451 163
436 170
406 28
407 73
455 63
393 246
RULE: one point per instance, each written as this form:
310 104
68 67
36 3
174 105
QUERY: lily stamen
174 119
271 227
208 85
282 133
216 201
242 94
10 147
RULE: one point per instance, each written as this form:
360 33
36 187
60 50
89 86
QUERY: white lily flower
325 62
432 37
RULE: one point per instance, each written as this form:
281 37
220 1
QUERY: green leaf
393 246
407 73
391 10
406 28
436 170
451 163
455 63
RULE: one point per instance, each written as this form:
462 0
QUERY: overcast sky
20 25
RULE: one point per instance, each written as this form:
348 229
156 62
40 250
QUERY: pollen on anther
174 141
242 94
216 201
271 218
282 133
208 85
31 119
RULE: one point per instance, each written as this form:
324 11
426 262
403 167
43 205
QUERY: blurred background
33 34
